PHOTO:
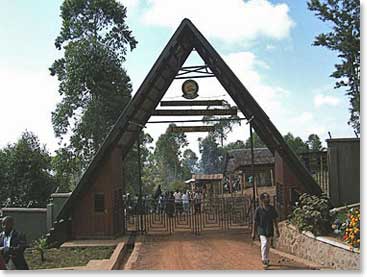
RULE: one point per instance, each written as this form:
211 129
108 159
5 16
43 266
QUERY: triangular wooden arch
135 115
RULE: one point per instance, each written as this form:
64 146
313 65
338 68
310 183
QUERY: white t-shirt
7 239
185 198
177 196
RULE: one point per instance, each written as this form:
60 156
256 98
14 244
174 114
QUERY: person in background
169 204
197 201
264 222
12 246
185 201
156 197
178 201
160 203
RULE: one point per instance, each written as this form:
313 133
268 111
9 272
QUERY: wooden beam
232 111
193 103
191 129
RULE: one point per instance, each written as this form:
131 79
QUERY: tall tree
25 173
258 143
189 163
131 164
314 143
168 156
151 176
93 85
239 144
344 18
223 126
67 167
211 155
296 143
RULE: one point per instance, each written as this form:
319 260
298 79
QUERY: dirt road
216 251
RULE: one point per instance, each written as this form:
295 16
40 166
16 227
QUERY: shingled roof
242 158
136 114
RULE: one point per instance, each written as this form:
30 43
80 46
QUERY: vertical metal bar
252 168
140 205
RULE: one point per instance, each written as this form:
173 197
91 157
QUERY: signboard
190 89
191 129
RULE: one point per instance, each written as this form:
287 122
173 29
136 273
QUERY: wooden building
238 169
99 212
210 184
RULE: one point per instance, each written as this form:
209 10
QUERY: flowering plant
352 228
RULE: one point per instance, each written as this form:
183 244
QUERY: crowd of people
170 202
177 202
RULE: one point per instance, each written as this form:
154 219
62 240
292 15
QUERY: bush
312 213
178 185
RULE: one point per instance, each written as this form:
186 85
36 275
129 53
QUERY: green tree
256 141
94 87
239 144
67 167
131 165
296 143
25 173
223 126
168 156
189 163
212 155
344 18
314 143
151 176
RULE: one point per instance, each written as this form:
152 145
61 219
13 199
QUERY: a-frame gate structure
102 175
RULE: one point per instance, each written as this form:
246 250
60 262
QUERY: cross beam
191 129
194 103
179 112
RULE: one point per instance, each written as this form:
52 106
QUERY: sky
268 45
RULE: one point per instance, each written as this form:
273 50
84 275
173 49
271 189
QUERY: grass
66 257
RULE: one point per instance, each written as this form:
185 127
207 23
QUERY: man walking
264 221
12 246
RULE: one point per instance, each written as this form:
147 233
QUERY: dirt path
185 251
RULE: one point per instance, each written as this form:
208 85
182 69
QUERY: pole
140 184
252 167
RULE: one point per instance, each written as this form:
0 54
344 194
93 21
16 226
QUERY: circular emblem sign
190 89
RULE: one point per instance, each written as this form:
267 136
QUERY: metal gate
216 213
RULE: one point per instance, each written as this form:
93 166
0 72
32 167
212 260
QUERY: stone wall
322 250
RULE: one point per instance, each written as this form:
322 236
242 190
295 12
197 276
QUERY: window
263 178
99 202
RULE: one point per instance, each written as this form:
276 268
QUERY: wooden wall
286 182
344 170
107 180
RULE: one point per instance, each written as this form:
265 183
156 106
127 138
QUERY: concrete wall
344 170
58 200
325 251
30 221
36 222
